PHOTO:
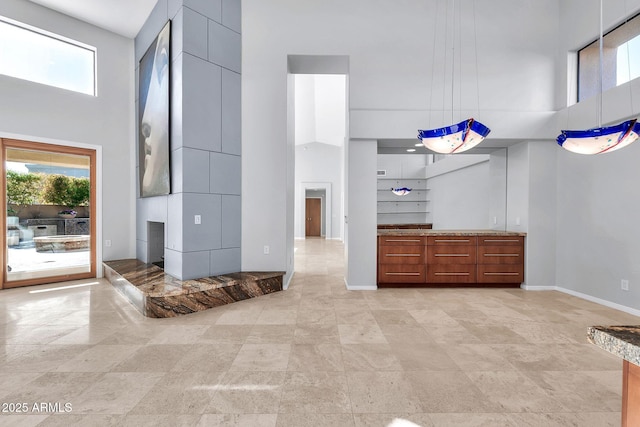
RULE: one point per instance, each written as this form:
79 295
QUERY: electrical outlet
197 219
266 250
107 243
624 284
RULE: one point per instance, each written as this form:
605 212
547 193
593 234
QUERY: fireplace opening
155 243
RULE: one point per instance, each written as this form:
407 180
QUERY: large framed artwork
153 116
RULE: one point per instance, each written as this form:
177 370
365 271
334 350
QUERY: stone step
156 294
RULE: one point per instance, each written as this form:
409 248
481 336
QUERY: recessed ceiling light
411 150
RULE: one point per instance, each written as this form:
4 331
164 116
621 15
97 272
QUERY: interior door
313 215
50 193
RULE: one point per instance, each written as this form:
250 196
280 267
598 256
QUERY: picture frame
154 116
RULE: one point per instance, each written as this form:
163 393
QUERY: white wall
331 93
319 163
460 192
597 196
305 108
360 211
390 66
37 112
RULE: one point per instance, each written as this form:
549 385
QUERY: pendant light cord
475 50
433 63
600 48
626 21
453 52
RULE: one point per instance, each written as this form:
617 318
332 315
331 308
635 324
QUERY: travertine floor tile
315 392
370 357
262 357
316 357
313 355
153 358
361 334
238 420
247 392
380 392
450 392
393 420
179 393
116 392
314 420
513 391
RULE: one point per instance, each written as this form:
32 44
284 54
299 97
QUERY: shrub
23 188
66 190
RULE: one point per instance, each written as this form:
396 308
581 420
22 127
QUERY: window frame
63 39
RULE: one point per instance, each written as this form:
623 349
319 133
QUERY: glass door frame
59 149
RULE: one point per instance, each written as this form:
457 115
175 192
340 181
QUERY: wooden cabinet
454 259
501 259
401 259
630 394
451 259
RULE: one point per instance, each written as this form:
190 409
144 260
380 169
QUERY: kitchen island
624 342
423 257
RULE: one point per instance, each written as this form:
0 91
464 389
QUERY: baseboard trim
285 286
538 288
600 301
587 297
360 288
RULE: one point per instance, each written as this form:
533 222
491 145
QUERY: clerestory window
39 56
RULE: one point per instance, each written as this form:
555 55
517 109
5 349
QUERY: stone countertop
413 232
623 341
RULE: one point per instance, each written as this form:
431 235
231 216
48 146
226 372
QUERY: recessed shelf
404 207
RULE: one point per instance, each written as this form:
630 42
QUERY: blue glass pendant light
601 139
403 191
455 138
458 137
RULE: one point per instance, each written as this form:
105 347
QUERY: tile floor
314 355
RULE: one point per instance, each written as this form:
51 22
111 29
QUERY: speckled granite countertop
413 232
623 341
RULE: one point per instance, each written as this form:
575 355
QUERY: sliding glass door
49 194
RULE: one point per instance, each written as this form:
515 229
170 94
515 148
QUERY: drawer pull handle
501 274
501 254
402 240
501 240
452 255
451 240
403 255
452 274
402 274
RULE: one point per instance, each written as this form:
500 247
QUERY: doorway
313 216
50 193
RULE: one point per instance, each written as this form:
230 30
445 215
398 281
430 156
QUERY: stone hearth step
157 294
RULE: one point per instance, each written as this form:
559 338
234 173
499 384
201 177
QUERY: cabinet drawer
448 254
500 273
500 254
401 254
452 273
500 240
451 240
400 240
401 273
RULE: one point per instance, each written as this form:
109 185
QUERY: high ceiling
124 17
